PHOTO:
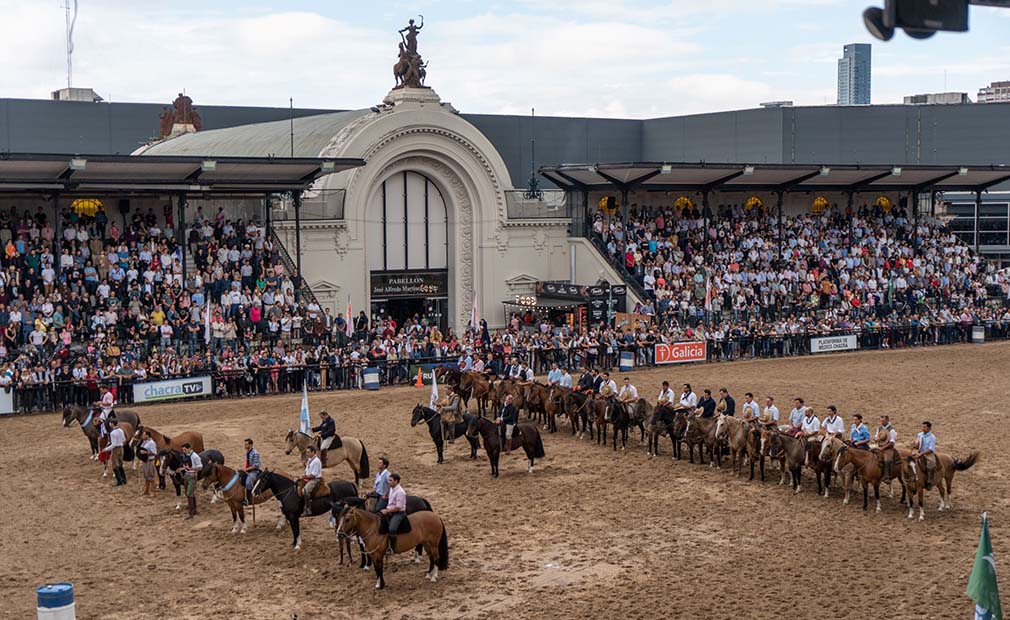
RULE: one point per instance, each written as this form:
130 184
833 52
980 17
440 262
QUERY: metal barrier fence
244 383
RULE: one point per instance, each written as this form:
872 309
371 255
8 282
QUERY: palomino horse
85 417
230 485
734 432
793 454
426 529
624 416
344 449
171 465
525 436
285 492
434 421
915 475
164 442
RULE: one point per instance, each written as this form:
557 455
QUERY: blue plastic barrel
371 378
627 361
55 601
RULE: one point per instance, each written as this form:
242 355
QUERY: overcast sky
613 58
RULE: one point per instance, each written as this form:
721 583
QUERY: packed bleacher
103 302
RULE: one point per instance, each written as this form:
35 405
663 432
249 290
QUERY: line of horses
422 531
746 444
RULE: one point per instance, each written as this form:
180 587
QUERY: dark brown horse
537 396
666 421
627 415
793 453
525 436
86 417
475 385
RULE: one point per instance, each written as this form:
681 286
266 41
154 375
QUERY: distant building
76 94
854 75
997 92
777 104
937 99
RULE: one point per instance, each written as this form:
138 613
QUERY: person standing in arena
380 487
117 439
147 452
191 467
252 466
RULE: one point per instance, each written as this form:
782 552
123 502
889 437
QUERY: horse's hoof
922 518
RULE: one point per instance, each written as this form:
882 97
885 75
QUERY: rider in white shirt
313 472
833 424
688 400
665 394
750 409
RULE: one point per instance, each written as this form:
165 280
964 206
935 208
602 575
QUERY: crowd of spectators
97 302
742 270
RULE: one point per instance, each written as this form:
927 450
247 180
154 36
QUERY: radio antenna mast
71 21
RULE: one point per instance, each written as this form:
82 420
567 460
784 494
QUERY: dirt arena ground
591 534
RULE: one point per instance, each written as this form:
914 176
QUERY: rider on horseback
313 473
107 410
887 439
397 508
833 425
251 468
925 448
859 435
327 430
665 395
628 395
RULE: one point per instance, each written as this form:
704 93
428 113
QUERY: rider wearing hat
665 395
449 408
887 439
327 430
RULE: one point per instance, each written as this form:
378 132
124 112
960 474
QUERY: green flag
982 587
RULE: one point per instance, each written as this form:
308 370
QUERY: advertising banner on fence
426 370
6 401
833 343
172 389
680 352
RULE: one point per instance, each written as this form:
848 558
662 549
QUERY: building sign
597 295
833 343
172 389
561 290
681 352
401 284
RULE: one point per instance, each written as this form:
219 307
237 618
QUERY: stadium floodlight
825 171
327 166
962 171
748 171
921 19
666 169
896 171
78 163
873 19
208 165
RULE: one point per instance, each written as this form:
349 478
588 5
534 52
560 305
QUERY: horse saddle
384 525
322 489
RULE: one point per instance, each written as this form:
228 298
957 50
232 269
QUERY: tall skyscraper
854 74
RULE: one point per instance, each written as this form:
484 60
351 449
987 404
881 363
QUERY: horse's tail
443 549
538 447
128 454
427 505
967 462
363 461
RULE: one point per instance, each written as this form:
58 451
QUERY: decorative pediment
325 290
521 284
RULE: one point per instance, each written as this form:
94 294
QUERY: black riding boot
392 543
122 474
115 474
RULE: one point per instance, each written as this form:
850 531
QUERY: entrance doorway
411 294
416 308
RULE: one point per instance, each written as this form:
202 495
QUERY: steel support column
184 242
624 226
298 232
850 214
58 237
913 200
781 226
978 207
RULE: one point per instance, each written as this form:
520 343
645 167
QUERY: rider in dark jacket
327 430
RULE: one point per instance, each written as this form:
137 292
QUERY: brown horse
792 451
829 448
525 436
666 420
86 417
538 397
734 432
866 466
351 450
164 442
913 470
577 406
476 386
426 529
701 432
229 485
